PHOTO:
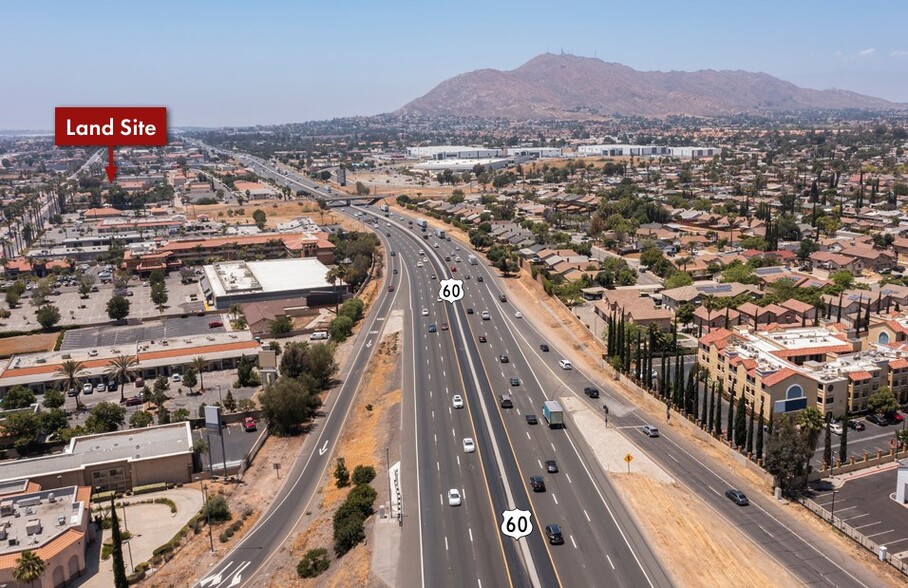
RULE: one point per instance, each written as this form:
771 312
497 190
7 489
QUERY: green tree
29 567
105 417
17 397
69 372
321 364
179 415
200 364
651 256
786 452
349 533
684 314
53 399
827 447
280 326
882 401
730 426
23 427
216 509
340 328
157 277
229 402
140 419
363 474
259 216
189 379
48 316
758 451
313 563
678 279
844 279
843 441
810 422
159 296
741 273
245 374
122 369
116 538
12 298
741 424
117 308
53 420
341 473
288 403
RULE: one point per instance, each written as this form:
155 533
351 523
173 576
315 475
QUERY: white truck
422 223
553 414
472 260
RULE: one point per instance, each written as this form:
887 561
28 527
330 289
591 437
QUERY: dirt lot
27 344
195 556
366 433
276 211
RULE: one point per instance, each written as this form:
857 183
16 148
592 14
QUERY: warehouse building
452 152
617 150
239 282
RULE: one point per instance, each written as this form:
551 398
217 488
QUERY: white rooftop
235 277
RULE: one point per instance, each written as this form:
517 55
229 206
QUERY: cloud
899 53
867 52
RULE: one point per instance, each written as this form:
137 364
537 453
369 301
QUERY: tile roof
859 375
776 377
714 336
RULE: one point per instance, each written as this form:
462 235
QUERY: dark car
532 420
591 391
479 279
537 483
551 466
737 497
502 298
72 392
391 288
544 347
878 419
894 417
482 339
553 532
469 311
503 358
433 328
134 401
857 425
515 382
111 385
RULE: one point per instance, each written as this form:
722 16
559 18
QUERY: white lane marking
528 436
673 457
555 498
446 543
765 531
587 516
609 561
568 476
470 531
574 542
714 490
458 461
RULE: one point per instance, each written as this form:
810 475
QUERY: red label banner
111 126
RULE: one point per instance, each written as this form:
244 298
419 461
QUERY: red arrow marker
111 168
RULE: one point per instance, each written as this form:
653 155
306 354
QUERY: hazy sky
238 63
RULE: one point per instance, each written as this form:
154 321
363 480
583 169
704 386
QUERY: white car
457 401
177 378
565 364
518 314
468 445
454 498
87 388
485 315
435 246
425 312
836 428
418 264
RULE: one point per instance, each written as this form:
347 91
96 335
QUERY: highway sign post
450 290
516 523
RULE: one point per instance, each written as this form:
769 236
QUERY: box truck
553 414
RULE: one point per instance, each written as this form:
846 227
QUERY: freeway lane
242 565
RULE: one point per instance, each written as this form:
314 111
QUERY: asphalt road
242 565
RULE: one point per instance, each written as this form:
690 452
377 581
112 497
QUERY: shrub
313 563
216 510
224 537
341 473
149 488
168 502
348 535
361 498
363 474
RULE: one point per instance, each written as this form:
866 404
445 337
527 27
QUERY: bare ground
365 436
27 344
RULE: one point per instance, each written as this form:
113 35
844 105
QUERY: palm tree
70 370
811 423
122 369
199 363
29 567
338 272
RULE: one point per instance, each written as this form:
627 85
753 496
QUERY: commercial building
464 164
452 152
117 461
159 357
238 282
536 152
617 150
790 369
52 523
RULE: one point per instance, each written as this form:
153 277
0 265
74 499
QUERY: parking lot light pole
832 514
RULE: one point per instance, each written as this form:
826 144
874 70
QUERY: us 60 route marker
450 290
516 523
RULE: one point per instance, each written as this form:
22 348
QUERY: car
737 497
878 419
135 400
457 401
518 314
102 387
447 258
504 400
391 288
650 430
591 391
177 378
485 315
438 299
532 420
435 245
503 358
551 466
469 311
479 279
87 388
468 445
857 425
425 260
425 312
482 339
93 353
433 328
544 347
454 498
394 254
502 298
394 271
215 324
553 533
418 264
444 326
433 276
112 385
836 428
515 382
453 269
249 424
565 364
72 392
537 483
894 417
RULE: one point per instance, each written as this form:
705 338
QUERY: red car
215 324
482 338
390 288
249 424
134 401
453 269
444 326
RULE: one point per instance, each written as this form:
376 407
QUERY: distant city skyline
237 64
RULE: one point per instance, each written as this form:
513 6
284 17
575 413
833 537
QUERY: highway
244 563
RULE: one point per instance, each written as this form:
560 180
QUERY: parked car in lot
249 424
857 425
87 388
878 419
737 497
134 400
215 324
177 378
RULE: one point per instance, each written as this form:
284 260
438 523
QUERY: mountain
569 87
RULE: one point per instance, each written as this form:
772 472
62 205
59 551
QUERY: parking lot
871 439
130 334
237 442
75 310
866 502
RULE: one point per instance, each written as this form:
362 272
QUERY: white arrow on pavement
323 449
369 344
237 578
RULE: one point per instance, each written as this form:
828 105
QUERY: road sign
516 523
450 290
628 458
